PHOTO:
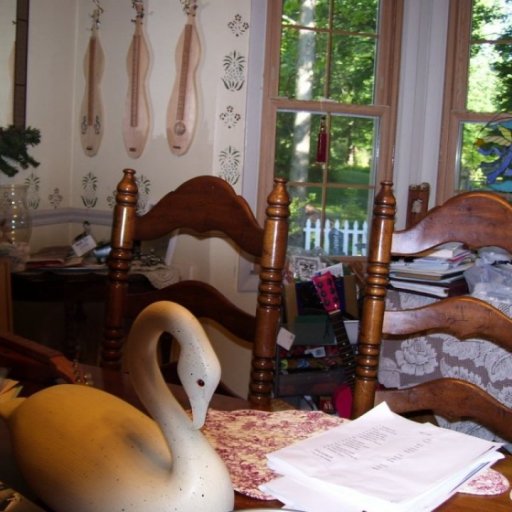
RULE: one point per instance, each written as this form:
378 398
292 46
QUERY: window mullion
455 93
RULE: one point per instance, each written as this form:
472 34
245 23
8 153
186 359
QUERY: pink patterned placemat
489 482
244 438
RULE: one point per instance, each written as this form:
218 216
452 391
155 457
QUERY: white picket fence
340 238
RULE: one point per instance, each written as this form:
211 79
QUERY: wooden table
118 384
71 290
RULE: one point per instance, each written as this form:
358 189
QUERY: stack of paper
447 261
427 271
377 463
438 274
452 252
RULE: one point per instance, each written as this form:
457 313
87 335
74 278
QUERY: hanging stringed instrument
91 112
137 116
182 110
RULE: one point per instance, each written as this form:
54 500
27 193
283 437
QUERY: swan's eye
200 383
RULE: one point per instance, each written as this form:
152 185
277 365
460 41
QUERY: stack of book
438 274
379 462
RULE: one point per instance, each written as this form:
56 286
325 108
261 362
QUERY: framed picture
305 267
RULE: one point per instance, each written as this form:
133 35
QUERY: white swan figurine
83 450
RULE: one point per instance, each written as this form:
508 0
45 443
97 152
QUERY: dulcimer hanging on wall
182 110
91 113
137 115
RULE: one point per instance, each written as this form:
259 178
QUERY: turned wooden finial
272 265
374 298
119 262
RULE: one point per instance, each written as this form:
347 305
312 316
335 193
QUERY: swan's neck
186 443
183 439
170 416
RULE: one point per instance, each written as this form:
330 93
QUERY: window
329 114
476 134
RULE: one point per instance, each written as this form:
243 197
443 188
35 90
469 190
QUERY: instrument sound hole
180 128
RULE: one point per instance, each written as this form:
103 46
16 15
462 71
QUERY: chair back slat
201 205
459 219
463 317
440 395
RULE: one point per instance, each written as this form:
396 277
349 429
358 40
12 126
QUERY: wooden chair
36 365
204 205
477 219
417 203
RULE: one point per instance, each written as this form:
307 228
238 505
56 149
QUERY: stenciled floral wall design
144 186
144 189
111 199
55 198
234 71
229 160
229 133
33 183
238 26
89 186
229 117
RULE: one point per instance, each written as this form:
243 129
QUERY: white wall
420 103
50 94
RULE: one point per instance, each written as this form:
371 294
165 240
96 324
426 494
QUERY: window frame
454 109
385 106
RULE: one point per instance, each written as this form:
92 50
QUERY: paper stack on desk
449 260
377 463
437 274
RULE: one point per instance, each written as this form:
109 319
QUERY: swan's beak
200 387
199 402
199 417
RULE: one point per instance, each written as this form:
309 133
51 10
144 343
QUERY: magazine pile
379 462
438 273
